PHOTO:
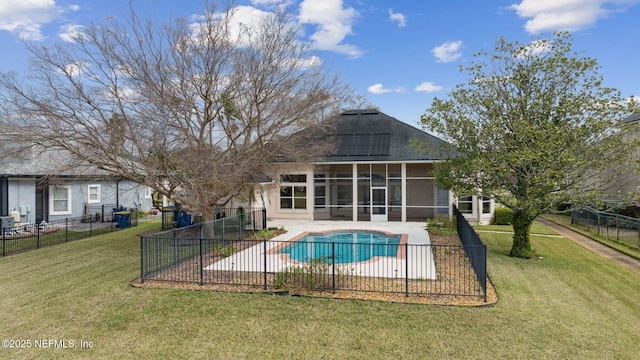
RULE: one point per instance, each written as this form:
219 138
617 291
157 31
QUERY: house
625 189
46 185
373 174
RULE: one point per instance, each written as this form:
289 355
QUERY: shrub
310 277
502 216
442 226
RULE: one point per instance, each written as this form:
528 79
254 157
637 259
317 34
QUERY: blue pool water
348 246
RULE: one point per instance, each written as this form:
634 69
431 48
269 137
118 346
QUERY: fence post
253 218
201 265
141 259
223 230
38 235
175 246
406 269
333 266
4 232
66 229
264 218
264 251
484 275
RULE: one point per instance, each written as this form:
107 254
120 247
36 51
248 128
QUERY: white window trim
489 200
293 185
51 208
89 201
148 192
473 202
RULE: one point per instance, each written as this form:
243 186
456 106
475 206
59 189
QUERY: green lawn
535 229
570 304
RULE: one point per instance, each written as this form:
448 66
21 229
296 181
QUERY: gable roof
631 118
370 135
30 160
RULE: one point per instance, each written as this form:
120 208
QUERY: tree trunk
521 247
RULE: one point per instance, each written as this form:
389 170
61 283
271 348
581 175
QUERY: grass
571 304
535 229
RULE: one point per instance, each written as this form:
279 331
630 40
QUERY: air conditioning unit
6 222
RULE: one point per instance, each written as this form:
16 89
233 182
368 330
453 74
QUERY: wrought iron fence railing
220 253
622 229
25 237
172 216
474 247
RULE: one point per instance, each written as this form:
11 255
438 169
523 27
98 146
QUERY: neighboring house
626 188
372 175
46 186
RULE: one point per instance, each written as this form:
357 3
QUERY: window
486 205
443 201
94 194
465 204
60 200
293 192
148 192
297 178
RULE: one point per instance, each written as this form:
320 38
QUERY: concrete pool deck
420 266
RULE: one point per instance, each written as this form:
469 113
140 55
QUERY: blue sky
400 54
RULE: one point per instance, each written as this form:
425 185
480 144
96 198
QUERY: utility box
6 222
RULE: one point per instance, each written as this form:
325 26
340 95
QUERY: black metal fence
171 216
100 212
475 249
622 229
220 253
34 236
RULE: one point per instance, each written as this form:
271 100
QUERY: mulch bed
454 277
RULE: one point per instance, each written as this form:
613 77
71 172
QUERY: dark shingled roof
370 135
631 118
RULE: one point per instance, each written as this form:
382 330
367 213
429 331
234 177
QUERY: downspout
118 192
4 195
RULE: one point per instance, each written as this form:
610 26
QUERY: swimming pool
343 246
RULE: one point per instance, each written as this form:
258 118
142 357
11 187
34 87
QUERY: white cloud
25 18
74 7
245 18
333 24
380 89
571 15
633 99
401 19
75 69
448 51
70 32
312 61
534 48
429 87
270 2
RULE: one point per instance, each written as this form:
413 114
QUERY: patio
412 262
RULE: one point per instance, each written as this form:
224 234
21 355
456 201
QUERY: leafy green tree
533 127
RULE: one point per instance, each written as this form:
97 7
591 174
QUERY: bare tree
190 108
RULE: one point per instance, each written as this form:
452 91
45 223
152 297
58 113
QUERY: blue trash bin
184 218
123 218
